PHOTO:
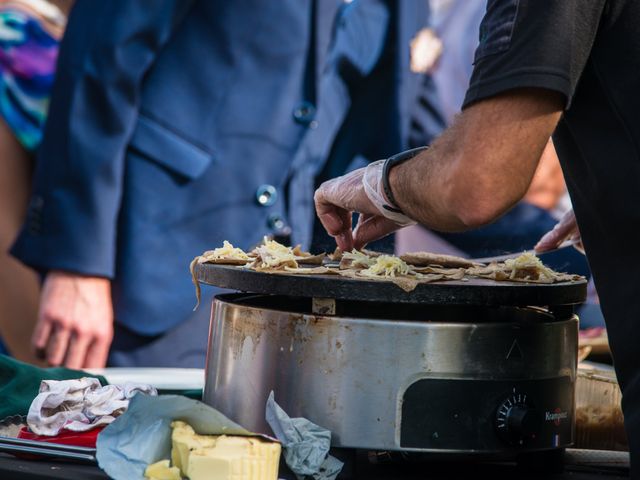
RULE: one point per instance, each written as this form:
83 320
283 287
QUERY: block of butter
223 457
162 471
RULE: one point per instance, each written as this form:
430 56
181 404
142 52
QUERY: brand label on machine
556 416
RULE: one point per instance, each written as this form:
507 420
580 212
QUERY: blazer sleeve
106 50
427 117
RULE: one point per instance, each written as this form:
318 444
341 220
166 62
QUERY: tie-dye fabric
28 56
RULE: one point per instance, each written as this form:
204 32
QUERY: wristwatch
389 163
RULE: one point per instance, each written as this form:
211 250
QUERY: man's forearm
482 165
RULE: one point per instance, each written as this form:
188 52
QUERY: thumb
564 229
372 227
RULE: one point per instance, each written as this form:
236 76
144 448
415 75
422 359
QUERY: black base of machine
370 465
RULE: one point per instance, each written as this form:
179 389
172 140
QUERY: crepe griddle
474 291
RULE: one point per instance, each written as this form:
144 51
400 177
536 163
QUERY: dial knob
517 421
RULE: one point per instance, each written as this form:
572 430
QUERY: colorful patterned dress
30 32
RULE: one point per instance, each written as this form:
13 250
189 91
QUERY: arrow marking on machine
515 351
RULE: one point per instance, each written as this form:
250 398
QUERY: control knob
517 420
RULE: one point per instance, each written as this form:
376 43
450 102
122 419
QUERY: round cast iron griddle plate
475 291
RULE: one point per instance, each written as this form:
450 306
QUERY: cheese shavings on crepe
386 266
525 268
529 267
272 255
226 255
356 259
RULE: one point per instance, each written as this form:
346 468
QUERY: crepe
425 259
404 282
306 258
449 273
526 268
336 256
355 259
386 266
225 255
310 270
406 271
271 255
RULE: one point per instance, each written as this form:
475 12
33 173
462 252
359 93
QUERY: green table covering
19 383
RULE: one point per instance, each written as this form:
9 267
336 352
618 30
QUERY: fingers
54 339
75 322
97 352
566 228
335 220
78 348
335 201
58 345
345 241
77 352
370 228
549 241
40 338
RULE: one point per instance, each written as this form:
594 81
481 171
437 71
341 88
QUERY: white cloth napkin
79 405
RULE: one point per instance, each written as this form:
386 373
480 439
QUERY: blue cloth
168 116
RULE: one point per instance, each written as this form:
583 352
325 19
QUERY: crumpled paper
79 405
305 444
142 435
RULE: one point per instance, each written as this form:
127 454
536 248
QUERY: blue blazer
177 124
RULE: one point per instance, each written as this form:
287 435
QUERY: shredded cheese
272 254
529 261
386 266
358 259
226 251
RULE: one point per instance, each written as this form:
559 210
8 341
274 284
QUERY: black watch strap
389 163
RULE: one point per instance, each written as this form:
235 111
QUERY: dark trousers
184 346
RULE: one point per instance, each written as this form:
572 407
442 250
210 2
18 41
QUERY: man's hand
75 322
474 172
358 191
565 229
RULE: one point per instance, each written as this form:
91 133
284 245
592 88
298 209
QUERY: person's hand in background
75 321
565 230
360 192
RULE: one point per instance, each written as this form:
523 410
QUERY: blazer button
266 195
37 202
278 225
304 113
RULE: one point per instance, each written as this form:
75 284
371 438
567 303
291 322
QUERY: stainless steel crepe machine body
442 377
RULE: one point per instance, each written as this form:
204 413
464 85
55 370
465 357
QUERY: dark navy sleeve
107 49
427 119
533 43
